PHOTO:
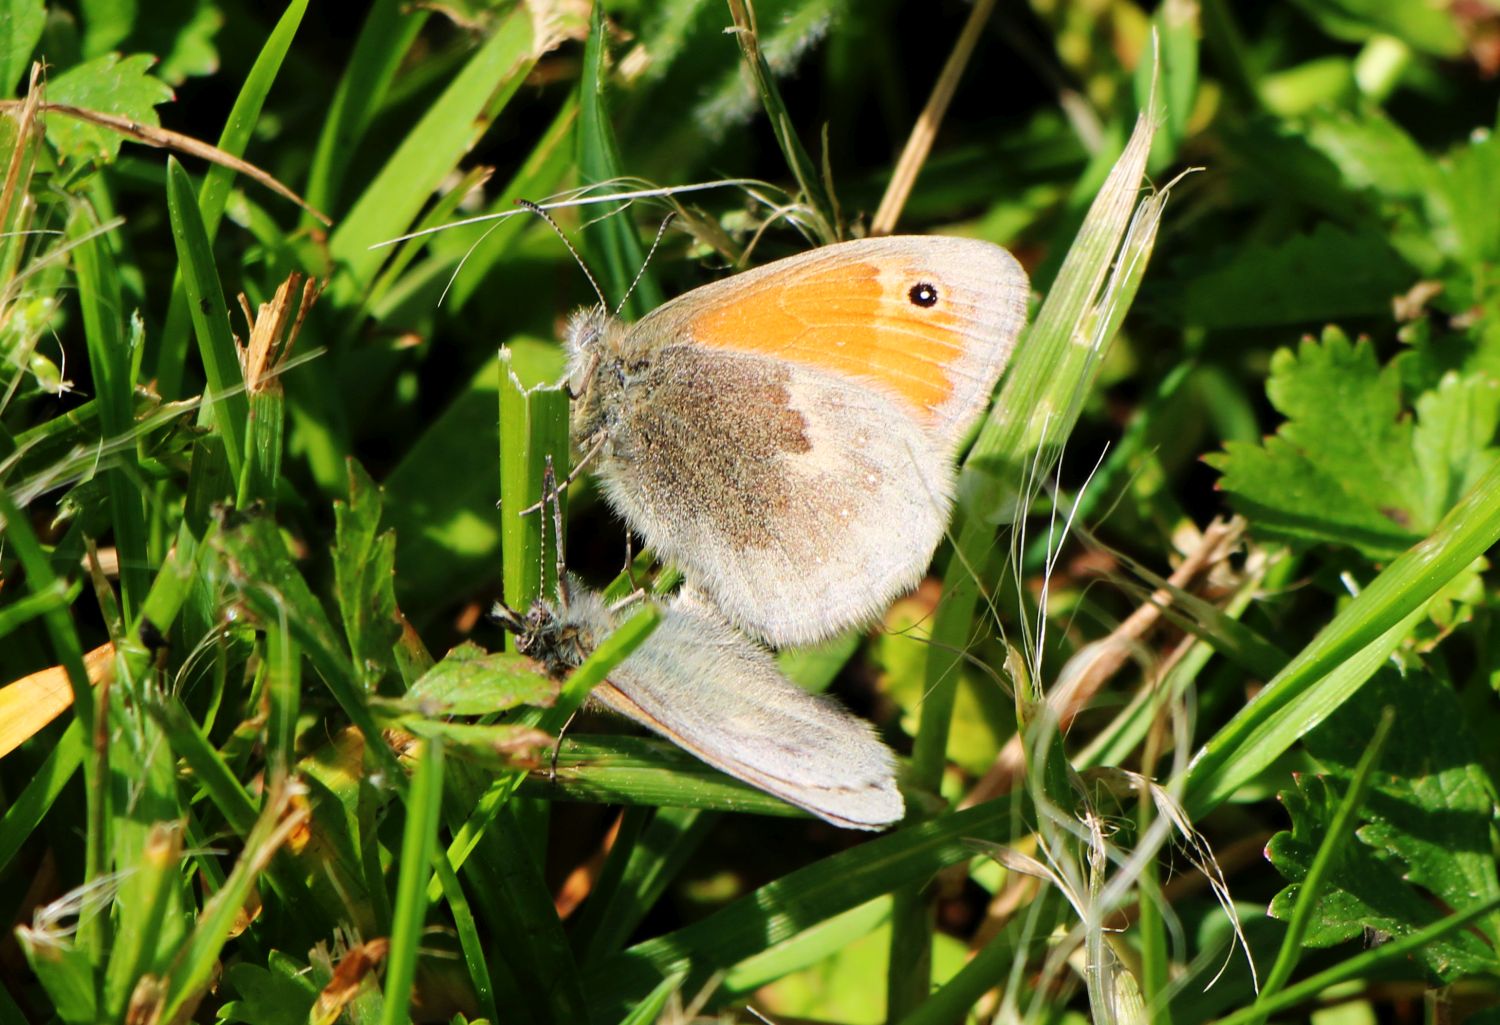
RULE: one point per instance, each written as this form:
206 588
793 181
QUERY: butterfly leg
595 445
557 748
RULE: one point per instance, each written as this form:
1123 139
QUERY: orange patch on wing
846 320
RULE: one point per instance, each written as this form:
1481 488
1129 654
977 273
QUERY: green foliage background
283 807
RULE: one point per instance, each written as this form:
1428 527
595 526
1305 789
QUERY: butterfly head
600 371
557 635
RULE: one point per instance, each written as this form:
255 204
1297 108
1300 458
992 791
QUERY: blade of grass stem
1335 841
1021 940
809 182
650 1009
1361 965
612 238
546 166
224 401
64 637
114 389
384 39
194 967
1329 670
424 811
533 431
647 864
239 128
470 943
430 150
27 810
919 142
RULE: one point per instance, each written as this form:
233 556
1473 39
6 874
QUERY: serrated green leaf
182 31
1462 206
267 997
472 681
1432 801
1342 469
1370 151
363 569
113 85
1364 892
1454 438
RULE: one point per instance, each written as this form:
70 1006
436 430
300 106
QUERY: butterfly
786 436
712 691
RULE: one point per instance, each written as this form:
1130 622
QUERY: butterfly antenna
544 215
671 216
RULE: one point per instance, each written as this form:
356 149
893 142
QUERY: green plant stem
424 811
1361 965
1330 852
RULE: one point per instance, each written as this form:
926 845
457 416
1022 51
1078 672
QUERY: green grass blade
826 226
384 40
214 193
647 863
283 685
210 770
470 941
618 255
1346 652
430 150
551 160
137 943
650 1009
196 963
784 908
224 399
114 388
30 805
533 431
424 811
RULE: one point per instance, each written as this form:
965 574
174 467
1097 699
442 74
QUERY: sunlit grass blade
470 939
613 241
1331 669
386 36
638 771
419 845
431 149
214 192
225 405
793 903
114 386
533 435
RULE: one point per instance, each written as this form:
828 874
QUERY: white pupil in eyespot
923 294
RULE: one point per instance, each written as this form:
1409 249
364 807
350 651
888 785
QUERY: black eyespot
923 294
